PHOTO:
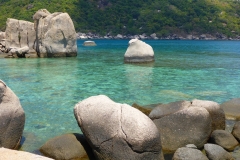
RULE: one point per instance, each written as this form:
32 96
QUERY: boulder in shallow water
20 34
117 131
138 52
12 118
56 35
89 43
231 109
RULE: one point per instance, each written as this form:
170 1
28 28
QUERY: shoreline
92 36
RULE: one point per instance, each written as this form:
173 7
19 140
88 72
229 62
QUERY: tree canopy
162 17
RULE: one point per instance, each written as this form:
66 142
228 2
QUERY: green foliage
135 16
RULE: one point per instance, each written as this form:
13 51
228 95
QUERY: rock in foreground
138 52
8 154
117 131
68 146
12 118
188 126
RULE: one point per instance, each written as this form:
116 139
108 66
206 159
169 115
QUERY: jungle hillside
162 17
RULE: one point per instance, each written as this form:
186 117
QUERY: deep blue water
183 70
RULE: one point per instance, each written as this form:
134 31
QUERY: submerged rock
138 52
231 109
12 118
119 131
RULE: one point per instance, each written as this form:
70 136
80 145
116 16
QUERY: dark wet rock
117 131
223 139
188 126
231 109
12 118
67 147
185 153
236 131
216 152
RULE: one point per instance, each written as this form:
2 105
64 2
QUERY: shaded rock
2 36
20 52
138 52
12 118
188 126
216 152
224 139
236 130
67 147
119 131
55 34
89 43
166 109
231 109
144 110
216 112
8 154
185 153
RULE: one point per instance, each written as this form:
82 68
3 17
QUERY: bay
48 88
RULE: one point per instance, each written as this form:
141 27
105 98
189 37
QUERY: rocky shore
179 130
154 36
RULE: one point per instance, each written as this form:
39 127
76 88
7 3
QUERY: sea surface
49 88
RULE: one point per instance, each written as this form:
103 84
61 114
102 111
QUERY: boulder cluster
180 130
51 35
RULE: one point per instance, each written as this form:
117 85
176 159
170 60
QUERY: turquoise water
183 70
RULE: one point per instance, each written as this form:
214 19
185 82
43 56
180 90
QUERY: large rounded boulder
55 34
216 112
188 126
117 131
138 52
12 118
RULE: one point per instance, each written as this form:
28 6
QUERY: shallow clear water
183 70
